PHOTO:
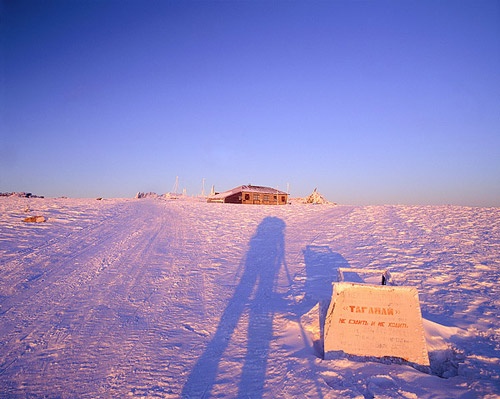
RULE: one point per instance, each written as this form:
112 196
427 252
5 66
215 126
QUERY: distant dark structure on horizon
249 194
21 195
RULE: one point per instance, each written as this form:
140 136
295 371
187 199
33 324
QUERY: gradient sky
372 102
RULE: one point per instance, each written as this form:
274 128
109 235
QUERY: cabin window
282 198
266 198
247 197
256 197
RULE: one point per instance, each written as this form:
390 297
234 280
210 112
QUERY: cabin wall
263 198
233 199
252 197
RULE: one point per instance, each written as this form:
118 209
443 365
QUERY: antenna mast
176 185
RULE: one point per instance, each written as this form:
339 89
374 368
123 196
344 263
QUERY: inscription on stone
371 320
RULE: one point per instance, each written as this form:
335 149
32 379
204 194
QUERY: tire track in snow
71 312
115 332
39 259
60 276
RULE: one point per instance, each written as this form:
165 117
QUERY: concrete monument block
375 320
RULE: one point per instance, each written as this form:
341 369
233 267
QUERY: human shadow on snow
256 297
321 267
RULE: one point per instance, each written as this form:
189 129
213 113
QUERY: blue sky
372 102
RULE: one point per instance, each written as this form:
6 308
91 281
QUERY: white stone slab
372 320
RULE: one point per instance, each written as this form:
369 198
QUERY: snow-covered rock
316 198
140 195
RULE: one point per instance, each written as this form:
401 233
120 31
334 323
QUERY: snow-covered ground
173 298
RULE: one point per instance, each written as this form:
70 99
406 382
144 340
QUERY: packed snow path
155 298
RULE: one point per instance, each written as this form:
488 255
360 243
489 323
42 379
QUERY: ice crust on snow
160 298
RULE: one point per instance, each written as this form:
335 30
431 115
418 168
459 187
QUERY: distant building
251 195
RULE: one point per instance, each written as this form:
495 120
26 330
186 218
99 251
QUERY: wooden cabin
249 194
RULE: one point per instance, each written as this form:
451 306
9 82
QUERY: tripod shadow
255 295
322 266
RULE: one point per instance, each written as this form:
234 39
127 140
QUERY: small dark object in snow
34 219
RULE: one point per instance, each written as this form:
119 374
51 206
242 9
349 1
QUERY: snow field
180 298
